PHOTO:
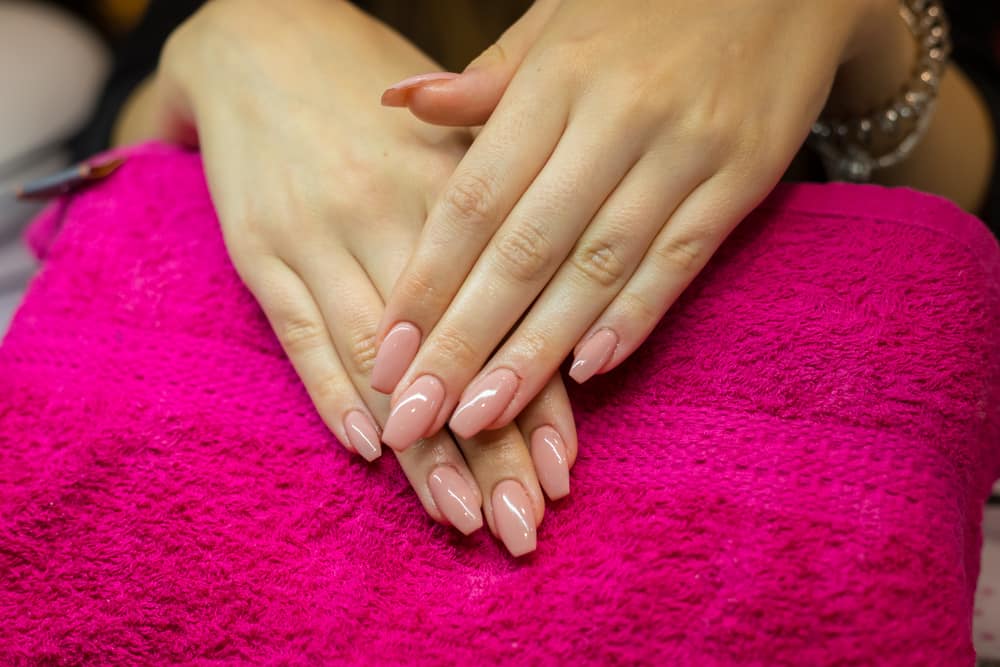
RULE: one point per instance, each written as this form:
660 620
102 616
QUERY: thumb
469 98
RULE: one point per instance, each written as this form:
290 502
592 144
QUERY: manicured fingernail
456 499
483 402
414 413
397 94
394 356
514 517
363 435
596 352
548 451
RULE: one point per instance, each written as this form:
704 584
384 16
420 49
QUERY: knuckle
471 200
416 287
329 390
524 253
533 343
683 254
300 334
638 308
450 344
362 352
600 261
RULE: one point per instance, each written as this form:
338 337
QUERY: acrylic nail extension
394 356
455 498
398 93
363 435
483 402
414 413
594 354
548 451
514 518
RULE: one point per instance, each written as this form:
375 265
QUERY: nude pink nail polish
455 498
397 94
414 413
594 354
514 518
548 451
394 356
483 402
363 435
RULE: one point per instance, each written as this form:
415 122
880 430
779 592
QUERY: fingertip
455 499
362 434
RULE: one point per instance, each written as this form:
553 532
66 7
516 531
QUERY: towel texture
790 472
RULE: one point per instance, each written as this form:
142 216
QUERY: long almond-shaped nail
414 413
394 356
594 354
548 451
514 518
363 435
456 499
397 94
483 402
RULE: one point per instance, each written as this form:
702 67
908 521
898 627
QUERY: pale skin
320 206
612 168
514 252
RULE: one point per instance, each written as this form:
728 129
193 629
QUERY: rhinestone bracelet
847 146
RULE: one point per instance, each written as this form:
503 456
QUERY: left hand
632 138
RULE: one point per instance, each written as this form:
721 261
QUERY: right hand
322 194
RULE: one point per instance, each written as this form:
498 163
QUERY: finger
552 407
470 98
446 488
498 167
520 259
599 265
679 252
351 305
547 423
299 325
513 503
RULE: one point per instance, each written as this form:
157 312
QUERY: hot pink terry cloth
790 472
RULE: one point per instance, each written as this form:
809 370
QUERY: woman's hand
321 195
632 138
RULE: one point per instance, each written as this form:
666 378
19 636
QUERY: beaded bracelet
847 146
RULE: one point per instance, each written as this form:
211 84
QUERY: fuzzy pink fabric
790 472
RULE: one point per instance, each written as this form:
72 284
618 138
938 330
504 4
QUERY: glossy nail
483 402
363 435
456 499
398 94
394 356
548 451
414 413
594 354
514 518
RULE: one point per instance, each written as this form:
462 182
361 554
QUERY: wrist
879 60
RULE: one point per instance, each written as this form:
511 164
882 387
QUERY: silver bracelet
850 147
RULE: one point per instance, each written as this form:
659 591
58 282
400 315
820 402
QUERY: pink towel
790 472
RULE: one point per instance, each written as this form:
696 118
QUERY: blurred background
54 60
